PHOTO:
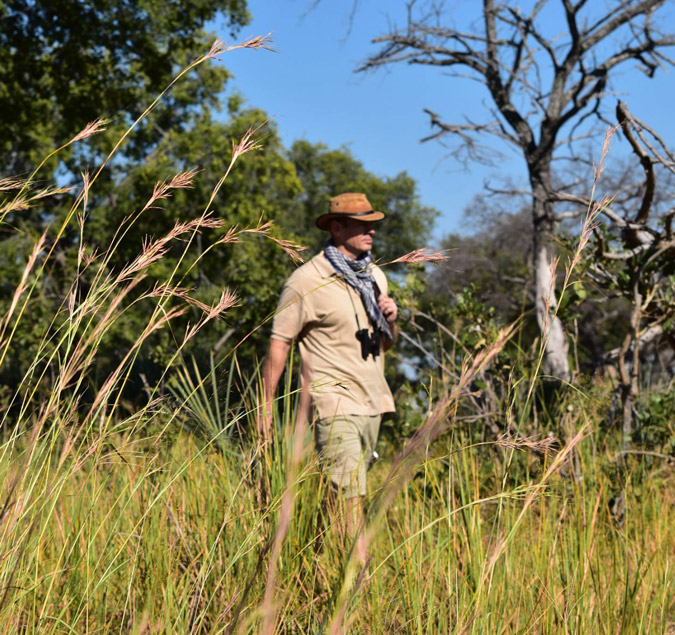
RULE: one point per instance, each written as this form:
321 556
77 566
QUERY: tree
543 91
264 186
113 59
66 63
635 257
492 265
495 259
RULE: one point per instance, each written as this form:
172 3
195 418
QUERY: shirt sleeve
289 317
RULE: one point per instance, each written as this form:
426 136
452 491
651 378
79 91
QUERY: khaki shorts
346 444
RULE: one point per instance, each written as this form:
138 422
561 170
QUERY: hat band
370 211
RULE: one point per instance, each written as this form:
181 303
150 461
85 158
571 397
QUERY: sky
310 88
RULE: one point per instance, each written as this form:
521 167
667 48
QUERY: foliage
148 534
259 189
64 64
264 187
205 404
115 520
655 421
495 258
67 64
544 91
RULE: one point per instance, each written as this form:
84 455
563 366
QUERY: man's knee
346 445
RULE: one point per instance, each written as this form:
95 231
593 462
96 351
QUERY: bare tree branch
507 54
622 116
667 161
623 12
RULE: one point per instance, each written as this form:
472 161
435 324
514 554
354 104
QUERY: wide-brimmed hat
349 205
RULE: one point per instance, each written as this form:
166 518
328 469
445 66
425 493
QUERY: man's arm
390 312
272 368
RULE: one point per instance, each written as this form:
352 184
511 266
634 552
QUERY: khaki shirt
322 312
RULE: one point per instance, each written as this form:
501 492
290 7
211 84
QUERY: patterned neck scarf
357 274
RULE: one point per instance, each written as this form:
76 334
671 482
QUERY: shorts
346 444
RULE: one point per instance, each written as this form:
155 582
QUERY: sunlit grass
169 537
165 520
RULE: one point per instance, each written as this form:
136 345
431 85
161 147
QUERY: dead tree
544 93
635 258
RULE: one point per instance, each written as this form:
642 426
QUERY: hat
349 205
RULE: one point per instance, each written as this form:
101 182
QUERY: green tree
128 53
494 265
266 185
261 188
66 63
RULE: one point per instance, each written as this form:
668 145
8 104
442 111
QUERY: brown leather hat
349 205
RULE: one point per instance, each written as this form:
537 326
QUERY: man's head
352 237
350 222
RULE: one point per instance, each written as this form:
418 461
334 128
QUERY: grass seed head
421 255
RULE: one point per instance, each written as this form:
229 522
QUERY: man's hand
388 308
390 312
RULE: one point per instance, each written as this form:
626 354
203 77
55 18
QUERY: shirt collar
323 267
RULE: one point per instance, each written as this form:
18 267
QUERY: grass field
159 518
141 531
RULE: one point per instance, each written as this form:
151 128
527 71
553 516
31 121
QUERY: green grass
162 519
153 535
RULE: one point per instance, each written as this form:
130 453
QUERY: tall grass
117 522
168 537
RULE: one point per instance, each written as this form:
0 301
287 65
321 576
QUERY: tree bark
630 385
554 338
512 56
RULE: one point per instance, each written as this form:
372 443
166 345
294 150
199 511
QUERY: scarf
357 274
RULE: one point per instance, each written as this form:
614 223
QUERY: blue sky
310 88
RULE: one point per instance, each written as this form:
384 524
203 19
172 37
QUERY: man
337 308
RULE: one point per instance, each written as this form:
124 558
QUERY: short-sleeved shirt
323 313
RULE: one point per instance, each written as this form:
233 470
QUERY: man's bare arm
272 368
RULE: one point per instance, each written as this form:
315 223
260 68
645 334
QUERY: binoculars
370 342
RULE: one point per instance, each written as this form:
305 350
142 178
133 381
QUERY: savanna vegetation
141 257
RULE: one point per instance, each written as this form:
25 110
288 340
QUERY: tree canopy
188 134
64 64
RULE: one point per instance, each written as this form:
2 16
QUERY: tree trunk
630 386
553 334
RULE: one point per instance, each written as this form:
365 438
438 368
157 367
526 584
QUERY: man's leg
345 444
370 430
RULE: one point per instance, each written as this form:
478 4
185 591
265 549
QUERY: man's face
352 237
